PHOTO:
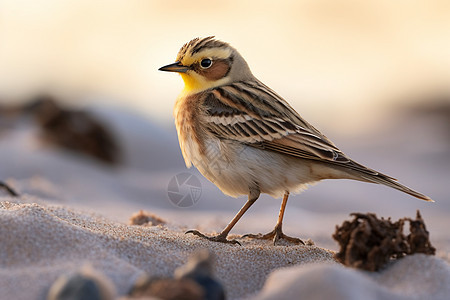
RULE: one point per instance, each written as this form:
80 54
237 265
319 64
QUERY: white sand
59 234
39 243
330 281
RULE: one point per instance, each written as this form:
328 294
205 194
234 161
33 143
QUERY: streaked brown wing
252 114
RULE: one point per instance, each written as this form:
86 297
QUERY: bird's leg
277 233
222 237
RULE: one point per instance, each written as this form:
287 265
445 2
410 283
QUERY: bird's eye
206 63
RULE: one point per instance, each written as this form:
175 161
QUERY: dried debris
419 237
146 219
8 189
369 243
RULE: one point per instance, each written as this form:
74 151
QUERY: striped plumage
246 139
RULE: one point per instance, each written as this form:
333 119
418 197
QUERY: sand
73 212
330 281
41 242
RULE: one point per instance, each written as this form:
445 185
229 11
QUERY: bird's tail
393 183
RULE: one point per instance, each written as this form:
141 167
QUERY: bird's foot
221 238
276 234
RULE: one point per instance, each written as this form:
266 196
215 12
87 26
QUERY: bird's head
207 63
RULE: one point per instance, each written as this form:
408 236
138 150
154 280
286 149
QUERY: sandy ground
39 243
74 211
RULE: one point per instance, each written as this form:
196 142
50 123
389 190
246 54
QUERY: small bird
247 140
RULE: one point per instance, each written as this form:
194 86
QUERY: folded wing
253 114
249 112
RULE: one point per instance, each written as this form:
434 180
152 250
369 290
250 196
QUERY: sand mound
39 243
413 277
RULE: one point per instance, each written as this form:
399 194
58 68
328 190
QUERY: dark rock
199 269
166 289
84 285
78 131
193 281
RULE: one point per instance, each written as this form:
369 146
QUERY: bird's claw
275 235
221 238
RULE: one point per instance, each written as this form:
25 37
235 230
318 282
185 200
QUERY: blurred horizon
343 65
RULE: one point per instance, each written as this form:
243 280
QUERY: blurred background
372 75
338 62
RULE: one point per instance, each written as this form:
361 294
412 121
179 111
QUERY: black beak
175 67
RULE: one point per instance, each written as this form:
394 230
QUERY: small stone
199 269
310 242
166 289
86 284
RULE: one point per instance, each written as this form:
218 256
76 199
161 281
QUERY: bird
247 140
